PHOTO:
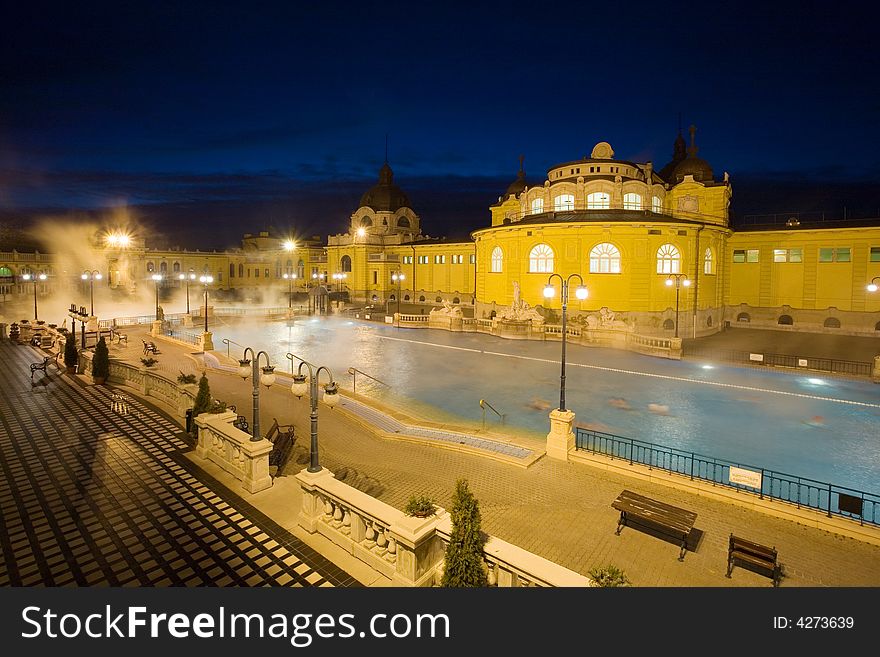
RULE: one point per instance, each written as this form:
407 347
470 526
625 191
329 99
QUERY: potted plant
101 362
609 576
71 355
149 361
463 564
420 506
186 379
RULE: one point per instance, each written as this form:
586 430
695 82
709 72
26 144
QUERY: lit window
439 259
541 259
875 254
656 205
840 254
457 259
668 260
788 255
563 202
780 255
407 260
598 201
473 259
632 202
605 259
537 206
708 263
497 260
423 260
745 255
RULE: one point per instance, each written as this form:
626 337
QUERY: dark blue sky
251 115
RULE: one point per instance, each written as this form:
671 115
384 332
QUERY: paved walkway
93 498
791 343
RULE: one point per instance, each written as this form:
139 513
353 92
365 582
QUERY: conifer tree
463 564
71 355
203 402
101 360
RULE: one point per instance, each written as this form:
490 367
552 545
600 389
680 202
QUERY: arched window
150 266
422 299
656 205
240 270
289 264
438 299
668 325
300 270
345 263
605 259
877 326
497 260
406 297
456 300
392 298
537 206
403 222
744 317
163 267
176 267
785 320
708 267
366 222
632 202
563 202
231 271
5 272
832 322
541 259
598 201
668 260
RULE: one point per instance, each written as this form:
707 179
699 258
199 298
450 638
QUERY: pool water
799 423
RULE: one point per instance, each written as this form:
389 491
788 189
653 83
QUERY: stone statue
160 313
447 309
520 310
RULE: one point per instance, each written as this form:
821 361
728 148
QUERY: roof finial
693 131
521 159
386 148
679 123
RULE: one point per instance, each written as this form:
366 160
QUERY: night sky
208 120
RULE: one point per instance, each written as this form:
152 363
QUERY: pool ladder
355 371
484 405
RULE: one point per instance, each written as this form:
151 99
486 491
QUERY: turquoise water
801 424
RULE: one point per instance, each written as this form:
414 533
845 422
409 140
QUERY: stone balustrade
407 550
232 449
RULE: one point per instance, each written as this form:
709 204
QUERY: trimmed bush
203 402
186 378
101 360
71 355
149 362
420 506
609 576
463 564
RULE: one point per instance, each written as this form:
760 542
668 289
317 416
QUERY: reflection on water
757 417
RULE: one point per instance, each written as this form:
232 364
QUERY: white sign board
389 320
757 357
802 362
743 477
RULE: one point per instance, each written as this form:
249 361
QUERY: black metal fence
801 491
754 359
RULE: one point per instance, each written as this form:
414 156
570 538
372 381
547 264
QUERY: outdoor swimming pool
799 423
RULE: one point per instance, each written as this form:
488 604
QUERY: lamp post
339 277
290 278
206 279
157 278
581 293
398 277
246 368
83 318
316 277
678 280
300 387
871 287
91 277
35 278
187 277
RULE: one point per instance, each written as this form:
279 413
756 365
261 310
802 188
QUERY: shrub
463 564
609 576
203 402
71 355
101 360
420 506
186 378
149 361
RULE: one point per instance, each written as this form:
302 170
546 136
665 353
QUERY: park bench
40 366
761 558
120 338
282 439
150 347
664 518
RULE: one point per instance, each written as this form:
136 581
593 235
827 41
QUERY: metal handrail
227 342
355 371
483 405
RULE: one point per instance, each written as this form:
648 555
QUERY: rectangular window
745 255
795 255
439 259
780 255
839 254
875 254
752 255
473 259
457 259
375 278
267 273
423 260
407 260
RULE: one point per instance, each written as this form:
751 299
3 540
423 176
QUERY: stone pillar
156 328
92 325
188 320
312 506
419 549
560 440
206 341
675 348
875 375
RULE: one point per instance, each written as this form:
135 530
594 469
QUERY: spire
521 159
692 151
386 148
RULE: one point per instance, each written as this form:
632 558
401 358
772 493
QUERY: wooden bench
667 519
40 366
761 557
150 348
120 338
282 438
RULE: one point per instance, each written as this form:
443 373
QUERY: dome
517 186
385 196
693 166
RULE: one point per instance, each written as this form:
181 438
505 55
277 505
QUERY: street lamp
872 286
290 278
549 292
339 277
315 278
677 280
300 387
35 278
247 368
398 277
91 277
157 278
187 278
206 279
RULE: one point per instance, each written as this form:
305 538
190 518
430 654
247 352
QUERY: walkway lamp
35 278
251 367
91 277
398 278
157 278
206 279
300 387
289 278
872 286
549 292
187 277
678 280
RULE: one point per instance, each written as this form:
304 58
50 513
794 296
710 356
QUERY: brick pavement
562 511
